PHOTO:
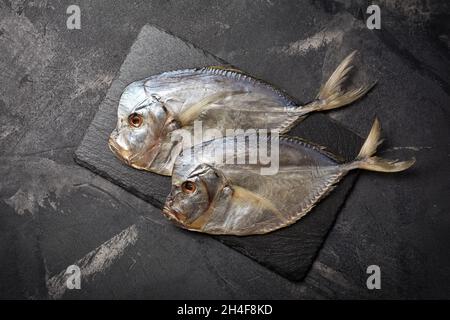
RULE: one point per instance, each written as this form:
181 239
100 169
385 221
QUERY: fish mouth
177 217
135 160
119 152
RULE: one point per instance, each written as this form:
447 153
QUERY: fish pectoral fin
258 202
193 111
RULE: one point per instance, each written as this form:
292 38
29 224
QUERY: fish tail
331 95
366 159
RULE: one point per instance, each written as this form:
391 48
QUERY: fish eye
135 120
188 187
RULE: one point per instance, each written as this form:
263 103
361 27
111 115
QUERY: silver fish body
217 197
151 109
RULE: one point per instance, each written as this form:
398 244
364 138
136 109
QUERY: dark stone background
54 213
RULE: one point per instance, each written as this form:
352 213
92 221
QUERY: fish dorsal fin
225 68
233 72
311 145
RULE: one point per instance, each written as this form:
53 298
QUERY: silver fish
151 110
218 198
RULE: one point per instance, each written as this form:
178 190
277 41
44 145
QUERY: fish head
143 121
193 196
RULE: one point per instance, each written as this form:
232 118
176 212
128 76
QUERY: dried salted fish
212 195
151 110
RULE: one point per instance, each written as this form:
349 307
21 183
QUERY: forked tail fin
331 95
366 159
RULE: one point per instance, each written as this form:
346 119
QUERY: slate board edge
154 202
188 43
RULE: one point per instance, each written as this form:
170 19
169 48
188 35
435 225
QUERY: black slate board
289 251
